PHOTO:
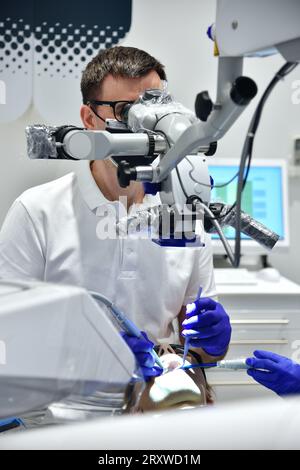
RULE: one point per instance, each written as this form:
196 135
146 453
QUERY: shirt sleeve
21 254
202 274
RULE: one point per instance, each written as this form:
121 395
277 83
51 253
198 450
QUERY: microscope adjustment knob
126 173
243 91
212 149
203 105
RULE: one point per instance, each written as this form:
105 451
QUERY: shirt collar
89 189
92 194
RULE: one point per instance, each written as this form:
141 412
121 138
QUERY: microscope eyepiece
124 112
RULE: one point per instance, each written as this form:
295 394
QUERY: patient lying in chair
176 388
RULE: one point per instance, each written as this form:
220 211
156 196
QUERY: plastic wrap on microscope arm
148 112
253 229
41 142
267 238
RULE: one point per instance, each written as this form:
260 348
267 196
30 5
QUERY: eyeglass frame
111 104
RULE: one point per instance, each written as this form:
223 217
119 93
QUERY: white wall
175 32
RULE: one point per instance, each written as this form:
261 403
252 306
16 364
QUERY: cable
181 184
212 217
209 185
127 325
248 149
246 158
217 226
102 298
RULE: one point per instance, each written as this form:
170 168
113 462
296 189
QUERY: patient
176 388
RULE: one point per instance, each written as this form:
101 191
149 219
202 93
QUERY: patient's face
176 388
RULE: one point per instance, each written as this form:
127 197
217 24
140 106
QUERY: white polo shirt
50 234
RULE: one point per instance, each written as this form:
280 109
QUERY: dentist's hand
279 374
142 348
207 326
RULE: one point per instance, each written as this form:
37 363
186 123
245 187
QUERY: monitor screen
263 196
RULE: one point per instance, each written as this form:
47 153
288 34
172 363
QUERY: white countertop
240 281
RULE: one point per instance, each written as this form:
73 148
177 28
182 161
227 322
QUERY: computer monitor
265 198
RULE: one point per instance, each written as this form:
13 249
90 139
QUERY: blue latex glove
280 374
141 348
207 326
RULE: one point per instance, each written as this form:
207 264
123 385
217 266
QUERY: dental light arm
249 226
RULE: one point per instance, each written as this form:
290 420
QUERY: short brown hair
119 60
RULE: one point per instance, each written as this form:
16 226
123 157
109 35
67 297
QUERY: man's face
115 88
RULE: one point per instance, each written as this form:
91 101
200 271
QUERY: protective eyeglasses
117 107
